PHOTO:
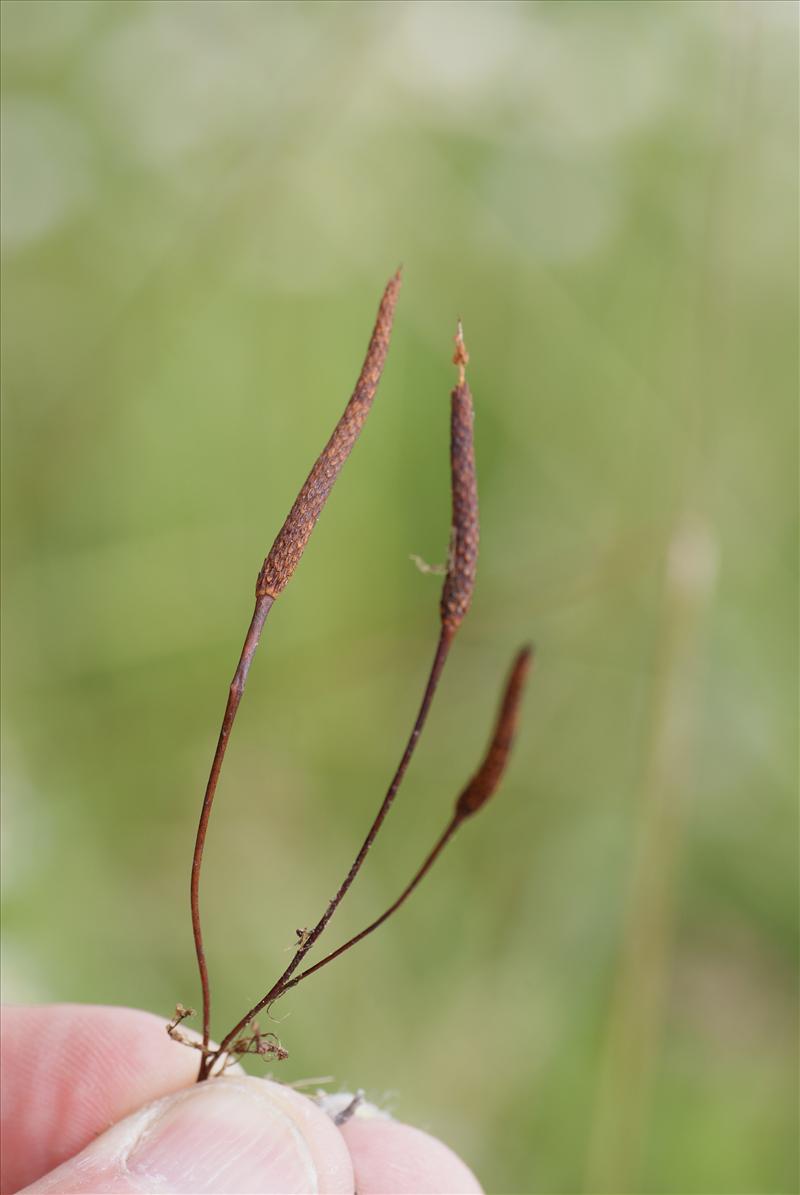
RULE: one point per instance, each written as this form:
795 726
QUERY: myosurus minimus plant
459 578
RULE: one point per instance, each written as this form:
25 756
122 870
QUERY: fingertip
244 1134
70 1071
389 1157
231 1134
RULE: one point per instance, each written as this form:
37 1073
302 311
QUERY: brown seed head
463 562
488 776
289 545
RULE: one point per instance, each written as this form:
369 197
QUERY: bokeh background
596 990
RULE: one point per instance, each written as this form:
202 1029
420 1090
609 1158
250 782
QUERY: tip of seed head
460 356
523 662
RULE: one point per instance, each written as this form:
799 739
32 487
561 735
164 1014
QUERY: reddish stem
442 649
441 843
276 572
482 785
262 609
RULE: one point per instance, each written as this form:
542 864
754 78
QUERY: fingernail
223 1135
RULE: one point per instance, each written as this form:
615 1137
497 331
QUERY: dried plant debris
266 1045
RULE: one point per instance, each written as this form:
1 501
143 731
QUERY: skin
101 1100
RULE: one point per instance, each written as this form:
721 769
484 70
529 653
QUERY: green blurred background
596 990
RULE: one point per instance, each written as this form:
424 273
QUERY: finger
70 1071
232 1134
390 1158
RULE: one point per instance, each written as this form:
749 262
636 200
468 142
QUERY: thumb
231 1134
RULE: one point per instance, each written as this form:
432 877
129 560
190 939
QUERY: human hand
71 1072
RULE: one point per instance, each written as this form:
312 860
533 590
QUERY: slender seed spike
290 542
275 574
463 562
488 776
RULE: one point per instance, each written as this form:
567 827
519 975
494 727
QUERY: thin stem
479 789
442 649
262 609
447 834
481 786
454 604
276 572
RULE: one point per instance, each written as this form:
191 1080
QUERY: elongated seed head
289 545
463 561
488 776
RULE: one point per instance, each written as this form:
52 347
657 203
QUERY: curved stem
441 843
479 789
439 659
262 609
